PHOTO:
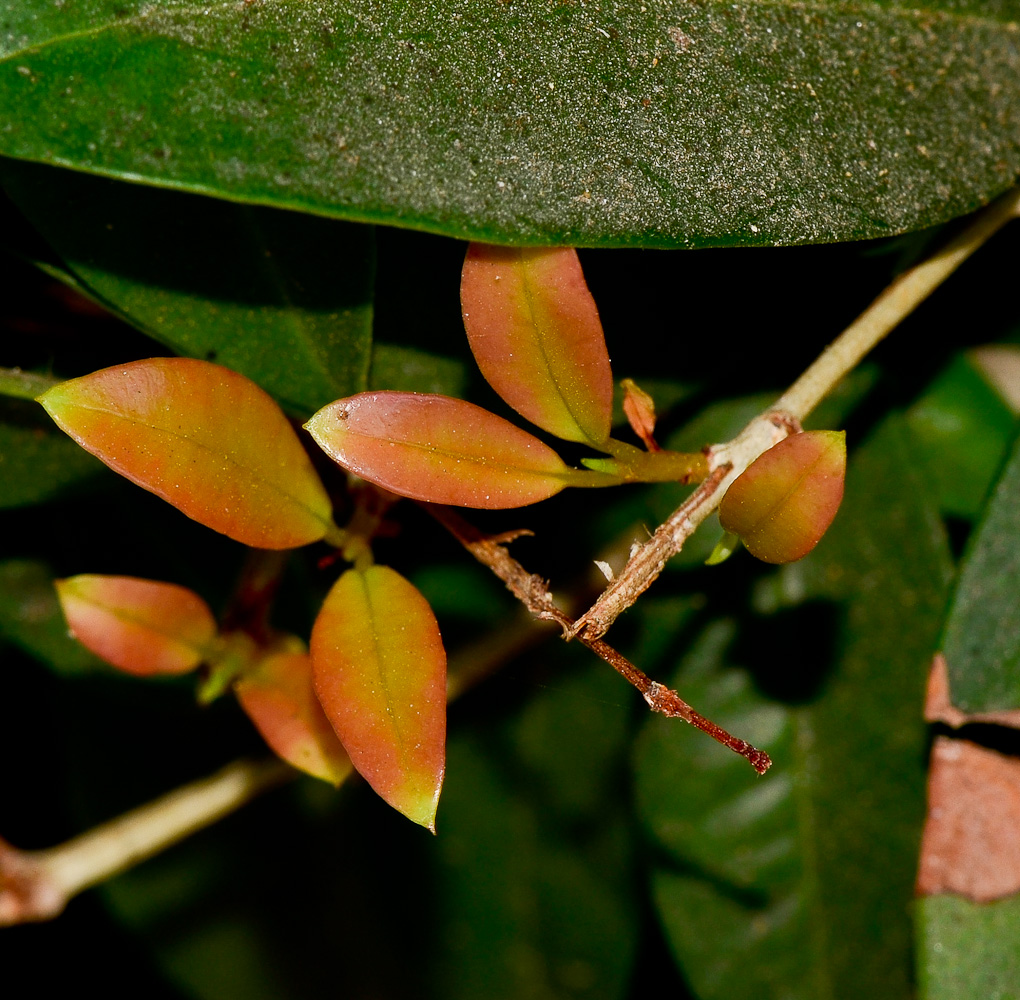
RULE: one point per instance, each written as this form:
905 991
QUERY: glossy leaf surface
438 449
785 500
238 284
627 124
535 332
785 886
279 697
380 675
203 438
144 627
982 635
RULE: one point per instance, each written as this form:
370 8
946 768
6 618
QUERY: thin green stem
25 385
890 308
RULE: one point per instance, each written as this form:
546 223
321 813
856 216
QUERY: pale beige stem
729 460
37 885
897 302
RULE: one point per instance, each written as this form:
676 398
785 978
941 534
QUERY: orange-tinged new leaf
786 499
279 697
380 674
205 439
439 449
141 626
639 409
536 335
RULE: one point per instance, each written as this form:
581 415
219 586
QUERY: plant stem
532 592
898 301
24 385
729 460
37 885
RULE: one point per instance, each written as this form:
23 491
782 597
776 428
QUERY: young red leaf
536 335
439 449
380 675
279 697
206 440
639 409
141 626
786 499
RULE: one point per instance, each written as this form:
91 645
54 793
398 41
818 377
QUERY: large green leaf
982 636
283 298
797 885
969 951
659 123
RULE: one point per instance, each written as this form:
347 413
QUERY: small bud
787 498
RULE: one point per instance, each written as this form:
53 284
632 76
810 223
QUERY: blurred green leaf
982 632
30 617
283 298
37 462
798 884
625 124
406 369
534 855
968 951
963 429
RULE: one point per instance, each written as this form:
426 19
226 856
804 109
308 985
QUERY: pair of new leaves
216 446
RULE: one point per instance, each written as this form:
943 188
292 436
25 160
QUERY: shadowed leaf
380 675
786 499
239 284
982 632
144 627
278 696
206 440
535 332
439 449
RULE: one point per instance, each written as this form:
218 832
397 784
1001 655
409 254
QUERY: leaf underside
622 124
279 698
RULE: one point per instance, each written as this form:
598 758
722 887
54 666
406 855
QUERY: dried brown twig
727 461
532 592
